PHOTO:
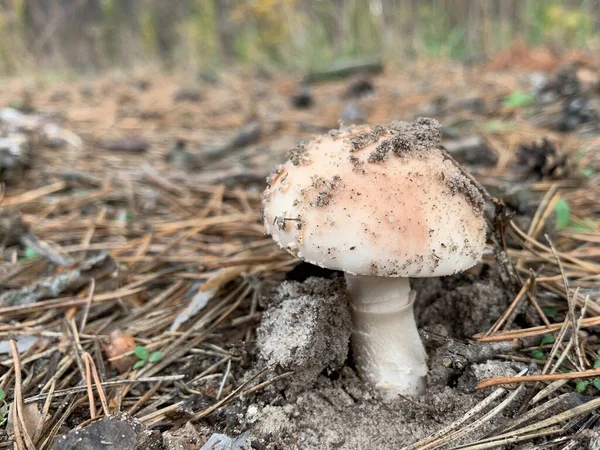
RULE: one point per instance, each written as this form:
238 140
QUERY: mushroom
381 204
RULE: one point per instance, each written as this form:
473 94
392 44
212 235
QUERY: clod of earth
308 330
381 204
131 144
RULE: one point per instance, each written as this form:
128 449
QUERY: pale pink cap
380 201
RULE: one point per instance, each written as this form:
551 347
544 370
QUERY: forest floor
135 270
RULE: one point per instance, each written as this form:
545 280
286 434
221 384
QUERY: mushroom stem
387 348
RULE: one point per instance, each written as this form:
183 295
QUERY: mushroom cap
383 201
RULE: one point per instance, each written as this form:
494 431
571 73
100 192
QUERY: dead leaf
120 344
207 292
32 418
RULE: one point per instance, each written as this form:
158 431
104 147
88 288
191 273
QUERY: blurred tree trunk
165 17
225 29
338 22
127 26
64 31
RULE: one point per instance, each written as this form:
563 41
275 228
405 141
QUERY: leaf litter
175 260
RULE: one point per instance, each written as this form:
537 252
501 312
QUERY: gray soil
325 405
306 329
478 301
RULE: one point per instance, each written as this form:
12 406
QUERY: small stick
98 383
511 308
454 425
502 442
87 305
557 418
555 347
19 423
217 405
90 391
45 411
531 296
68 302
533 331
550 377
266 383
468 429
137 405
225 376
570 302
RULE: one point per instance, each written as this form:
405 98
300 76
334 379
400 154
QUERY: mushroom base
387 348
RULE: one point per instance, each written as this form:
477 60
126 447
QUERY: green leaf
141 352
581 385
155 357
550 312
30 253
587 172
538 354
563 214
547 339
596 383
597 364
494 125
138 365
518 99
588 224
2 395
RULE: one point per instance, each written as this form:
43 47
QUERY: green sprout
538 354
581 385
3 409
550 312
563 214
547 339
144 356
588 172
518 99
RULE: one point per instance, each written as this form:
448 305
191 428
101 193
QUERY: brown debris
119 344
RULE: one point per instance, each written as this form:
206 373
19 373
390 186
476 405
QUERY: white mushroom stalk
381 204
388 351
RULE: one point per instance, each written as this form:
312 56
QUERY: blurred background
195 35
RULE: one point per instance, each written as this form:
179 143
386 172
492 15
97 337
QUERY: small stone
223 442
187 94
120 432
15 157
